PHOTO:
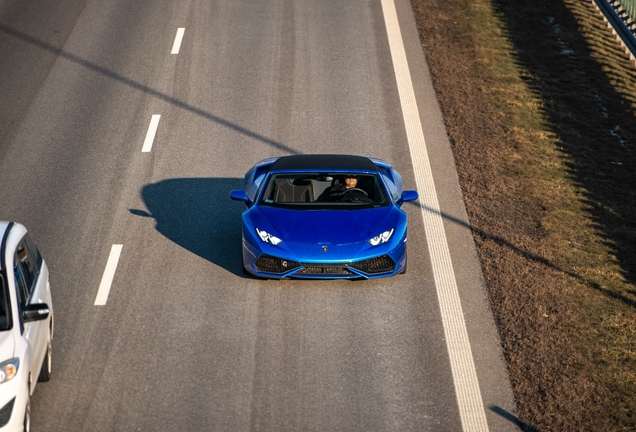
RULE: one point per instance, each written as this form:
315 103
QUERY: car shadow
198 215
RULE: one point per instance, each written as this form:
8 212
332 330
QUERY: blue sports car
323 217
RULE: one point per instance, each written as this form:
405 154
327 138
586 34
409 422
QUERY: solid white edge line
469 400
177 41
109 274
152 131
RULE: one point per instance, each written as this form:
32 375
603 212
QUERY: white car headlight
9 369
267 237
382 238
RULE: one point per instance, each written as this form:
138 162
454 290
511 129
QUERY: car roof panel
323 162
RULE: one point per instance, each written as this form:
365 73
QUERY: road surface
120 132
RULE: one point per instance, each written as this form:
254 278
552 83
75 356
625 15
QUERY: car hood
325 226
7 345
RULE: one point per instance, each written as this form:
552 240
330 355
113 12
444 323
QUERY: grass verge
539 103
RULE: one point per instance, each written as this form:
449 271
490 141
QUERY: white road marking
177 41
152 131
469 400
109 274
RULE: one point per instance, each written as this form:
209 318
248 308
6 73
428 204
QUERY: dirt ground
536 287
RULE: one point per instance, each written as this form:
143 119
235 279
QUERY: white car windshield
324 191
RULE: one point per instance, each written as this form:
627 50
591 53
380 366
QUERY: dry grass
540 103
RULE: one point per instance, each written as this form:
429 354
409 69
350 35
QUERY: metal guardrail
621 16
628 8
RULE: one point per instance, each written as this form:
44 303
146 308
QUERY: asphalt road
185 342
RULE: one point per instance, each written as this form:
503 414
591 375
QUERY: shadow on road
512 419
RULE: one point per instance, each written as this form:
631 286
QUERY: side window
20 290
259 175
388 180
397 179
35 253
27 264
20 284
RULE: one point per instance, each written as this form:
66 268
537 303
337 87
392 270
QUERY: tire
45 372
405 265
26 423
245 272
249 275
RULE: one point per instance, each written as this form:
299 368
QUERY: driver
351 181
337 191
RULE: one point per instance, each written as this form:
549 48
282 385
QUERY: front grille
334 270
270 264
379 264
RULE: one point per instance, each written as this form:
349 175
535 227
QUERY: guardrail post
621 23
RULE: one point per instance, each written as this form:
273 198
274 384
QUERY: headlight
267 237
9 369
382 238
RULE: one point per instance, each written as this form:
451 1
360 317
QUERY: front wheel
245 272
45 372
26 423
405 264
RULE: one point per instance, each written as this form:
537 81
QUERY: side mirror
409 195
36 312
240 195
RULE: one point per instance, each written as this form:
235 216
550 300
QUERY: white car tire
45 372
26 423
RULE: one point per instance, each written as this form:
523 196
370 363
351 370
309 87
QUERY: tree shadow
198 215
135 85
530 256
592 121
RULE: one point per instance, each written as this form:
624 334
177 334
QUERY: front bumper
351 262
13 401
278 267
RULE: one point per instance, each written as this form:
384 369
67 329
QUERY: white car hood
7 346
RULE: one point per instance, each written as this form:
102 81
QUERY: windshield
324 191
5 313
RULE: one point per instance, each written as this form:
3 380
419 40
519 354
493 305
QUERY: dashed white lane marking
177 41
109 274
152 131
469 400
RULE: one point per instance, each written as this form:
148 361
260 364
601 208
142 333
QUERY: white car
26 325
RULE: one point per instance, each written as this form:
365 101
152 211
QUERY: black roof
324 162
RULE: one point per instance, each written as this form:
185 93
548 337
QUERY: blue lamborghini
323 217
